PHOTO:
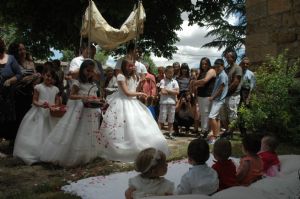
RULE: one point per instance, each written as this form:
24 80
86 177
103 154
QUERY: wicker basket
92 103
58 111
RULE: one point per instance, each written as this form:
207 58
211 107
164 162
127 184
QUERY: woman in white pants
204 84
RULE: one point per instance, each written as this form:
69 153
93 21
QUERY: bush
274 108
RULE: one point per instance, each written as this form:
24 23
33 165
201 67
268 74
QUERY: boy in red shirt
224 167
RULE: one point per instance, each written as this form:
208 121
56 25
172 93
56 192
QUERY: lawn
41 181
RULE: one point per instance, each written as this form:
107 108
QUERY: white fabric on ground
283 187
114 185
289 163
241 192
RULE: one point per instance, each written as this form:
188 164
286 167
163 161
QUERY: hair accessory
153 162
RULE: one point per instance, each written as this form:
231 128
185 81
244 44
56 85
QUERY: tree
55 23
147 59
275 103
213 13
101 56
67 55
7 33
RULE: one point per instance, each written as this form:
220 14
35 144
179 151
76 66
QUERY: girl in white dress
73 140
37 123
151 164
128 127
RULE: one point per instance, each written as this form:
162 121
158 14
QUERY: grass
45 180
41 181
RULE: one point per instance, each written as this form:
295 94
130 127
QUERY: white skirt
73 140
127 128
33 130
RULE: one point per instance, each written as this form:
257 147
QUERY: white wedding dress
73 141
35 127
128 127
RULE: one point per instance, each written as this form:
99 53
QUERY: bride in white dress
128 127
73 141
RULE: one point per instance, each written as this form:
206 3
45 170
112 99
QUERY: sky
190 50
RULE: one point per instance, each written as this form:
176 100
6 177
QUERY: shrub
273 107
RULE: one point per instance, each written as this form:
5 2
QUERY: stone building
272 26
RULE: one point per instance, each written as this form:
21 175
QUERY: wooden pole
90 28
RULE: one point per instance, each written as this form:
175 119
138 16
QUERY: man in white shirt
77 61
133 53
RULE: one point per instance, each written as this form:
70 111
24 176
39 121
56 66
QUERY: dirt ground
41 181
18 180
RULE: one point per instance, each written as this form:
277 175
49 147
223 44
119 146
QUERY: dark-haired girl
37 122
73 140
183 79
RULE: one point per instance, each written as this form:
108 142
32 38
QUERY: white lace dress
73 140
128 127
35 127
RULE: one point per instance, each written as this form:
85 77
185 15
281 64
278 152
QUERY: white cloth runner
286 186
114 185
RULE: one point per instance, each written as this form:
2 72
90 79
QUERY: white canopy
105 35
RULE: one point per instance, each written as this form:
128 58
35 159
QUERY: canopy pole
90 28
127 43
137 21
137 37
80 42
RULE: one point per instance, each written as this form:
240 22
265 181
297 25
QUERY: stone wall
272 26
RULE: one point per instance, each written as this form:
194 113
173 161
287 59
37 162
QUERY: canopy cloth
105 35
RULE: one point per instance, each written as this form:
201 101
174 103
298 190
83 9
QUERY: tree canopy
213 13
55 23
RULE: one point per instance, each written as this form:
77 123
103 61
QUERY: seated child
200 179
151 164
271 164
251 166
224 167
